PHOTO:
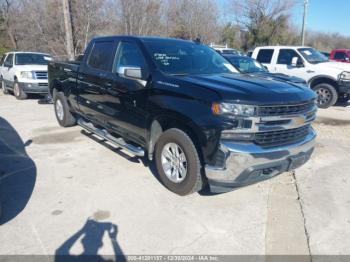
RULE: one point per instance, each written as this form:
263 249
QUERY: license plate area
297 161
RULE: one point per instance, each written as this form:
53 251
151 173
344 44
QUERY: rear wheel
326 95
64 117
178 163
18 92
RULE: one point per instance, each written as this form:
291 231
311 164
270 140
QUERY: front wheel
178 162
18 92
326 95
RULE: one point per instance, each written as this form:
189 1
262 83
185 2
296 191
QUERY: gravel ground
65 192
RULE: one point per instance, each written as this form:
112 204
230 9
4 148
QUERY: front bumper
34 88
248 163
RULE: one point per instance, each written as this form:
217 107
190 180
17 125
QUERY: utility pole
68 29
303 30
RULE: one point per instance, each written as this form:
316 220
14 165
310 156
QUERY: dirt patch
101 215
47 129
57 138
56 212
332 122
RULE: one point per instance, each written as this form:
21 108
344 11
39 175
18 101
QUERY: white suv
330 80
24 73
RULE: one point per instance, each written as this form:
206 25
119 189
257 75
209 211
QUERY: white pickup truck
23 73
330 80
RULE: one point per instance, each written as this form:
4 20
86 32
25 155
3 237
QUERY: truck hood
252 89
279 77
334 66
31 68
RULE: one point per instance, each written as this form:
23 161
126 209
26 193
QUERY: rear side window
339 55
285 56
101 56
265 56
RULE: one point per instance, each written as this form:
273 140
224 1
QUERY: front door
127 97
284 64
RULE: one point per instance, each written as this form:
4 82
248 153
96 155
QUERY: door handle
108 85
80 77
310 71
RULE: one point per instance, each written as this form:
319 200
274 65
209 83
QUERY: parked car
24 73
224 49
248 65
340 55
184 106
326 54
330 80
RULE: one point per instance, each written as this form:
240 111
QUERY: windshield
312 55
184 58
32 59
246 64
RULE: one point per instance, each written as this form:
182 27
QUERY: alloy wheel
174 162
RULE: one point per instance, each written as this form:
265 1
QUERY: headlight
233 109
344 76
27 74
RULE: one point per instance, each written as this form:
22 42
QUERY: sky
323 15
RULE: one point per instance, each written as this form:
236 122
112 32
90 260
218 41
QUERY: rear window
101 55
265 56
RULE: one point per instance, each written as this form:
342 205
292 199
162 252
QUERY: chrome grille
40 75
286 109
282 137
43 84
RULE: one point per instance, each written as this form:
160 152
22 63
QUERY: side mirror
266 68
296 62
7 65
346 59
132 72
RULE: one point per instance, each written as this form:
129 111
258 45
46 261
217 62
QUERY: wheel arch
323 79
164 122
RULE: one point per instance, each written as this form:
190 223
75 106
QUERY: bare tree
266 21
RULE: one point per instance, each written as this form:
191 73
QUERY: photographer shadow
91 235
17 173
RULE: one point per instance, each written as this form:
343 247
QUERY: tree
266 21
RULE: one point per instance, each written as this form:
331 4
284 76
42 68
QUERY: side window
101 55
285 56
129 55
265 56
339 56
2 59
9 61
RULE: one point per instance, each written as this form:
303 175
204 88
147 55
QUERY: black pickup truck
183 105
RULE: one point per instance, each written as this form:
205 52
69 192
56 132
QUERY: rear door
264 56
7 71
94 76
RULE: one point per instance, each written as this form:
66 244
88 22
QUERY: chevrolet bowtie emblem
300 121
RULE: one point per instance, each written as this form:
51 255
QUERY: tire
18 92
327 95
3 86
192 180
63 115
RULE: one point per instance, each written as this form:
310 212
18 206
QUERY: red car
340 55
